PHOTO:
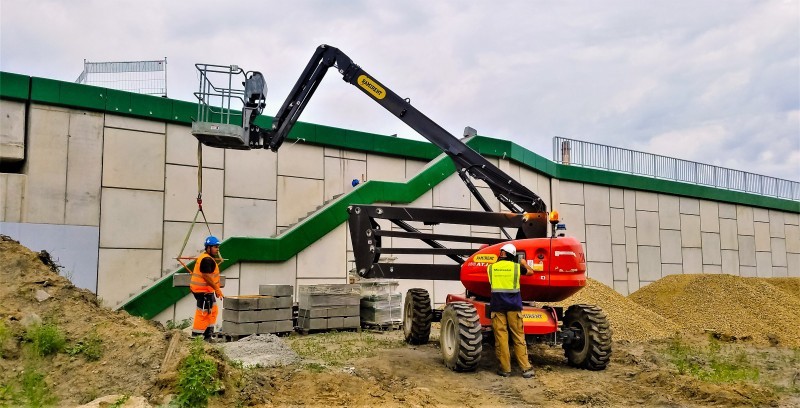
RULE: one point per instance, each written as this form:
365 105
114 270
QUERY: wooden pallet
382 326
304 331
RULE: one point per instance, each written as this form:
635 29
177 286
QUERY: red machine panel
559 268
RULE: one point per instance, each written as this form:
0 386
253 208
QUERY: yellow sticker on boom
534 316
487 258
371 86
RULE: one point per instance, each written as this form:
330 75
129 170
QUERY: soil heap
731 307
629 320
132 348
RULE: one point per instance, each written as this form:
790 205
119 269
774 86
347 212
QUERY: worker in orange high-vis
204 286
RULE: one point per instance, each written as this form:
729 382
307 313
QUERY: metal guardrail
587 154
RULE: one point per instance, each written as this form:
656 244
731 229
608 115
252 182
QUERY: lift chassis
558 261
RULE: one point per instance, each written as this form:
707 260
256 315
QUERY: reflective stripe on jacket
504 279
198 284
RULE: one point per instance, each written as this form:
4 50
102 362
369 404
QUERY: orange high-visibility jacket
198 284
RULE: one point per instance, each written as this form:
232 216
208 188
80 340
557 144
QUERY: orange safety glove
218 292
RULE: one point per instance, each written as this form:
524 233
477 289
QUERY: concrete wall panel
747 250
487 194
709 216
120 277
572 216
301 160
762 236
616 197
133 159
748 271
646 201
621 287
669 212
671 269
711 249
414 167
793 239
297 197
325 258
629 197
245 217
791 218
12 131
727 211
633 277
84 168
744 220
730 262
793 265
727 234
647 227
778 252
181 194
690 231
776 224
132 219
442 288
570 193
763 264
340 173
601 271
142 125
689 206
182 149
451 193
712 269
780 272
385 168
692 260
671 247
649 263
344 154
251 174
598 243
760 215
619 264
12 196
597 205
631 245
617 226
46 165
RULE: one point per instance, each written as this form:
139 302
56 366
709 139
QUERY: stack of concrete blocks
329 307
381 303
268 312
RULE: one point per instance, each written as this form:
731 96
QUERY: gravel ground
264 350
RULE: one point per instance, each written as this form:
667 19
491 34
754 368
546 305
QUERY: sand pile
788 285
731 306
629 320
132 349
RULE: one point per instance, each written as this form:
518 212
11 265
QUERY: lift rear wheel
417 316
591 348
460 337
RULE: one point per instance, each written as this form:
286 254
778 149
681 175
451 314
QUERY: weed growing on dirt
120 401
710 363
197 378
172 325
46 339
91 347
336 348
33 391
5 335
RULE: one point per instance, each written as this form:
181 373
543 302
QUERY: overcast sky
710 81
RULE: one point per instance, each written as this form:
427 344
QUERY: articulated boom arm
512 194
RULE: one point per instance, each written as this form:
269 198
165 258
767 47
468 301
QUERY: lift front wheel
591 347
460 337
417 316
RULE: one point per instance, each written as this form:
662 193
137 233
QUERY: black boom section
366 236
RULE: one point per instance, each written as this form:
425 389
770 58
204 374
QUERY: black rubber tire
417 316
460 338
593 350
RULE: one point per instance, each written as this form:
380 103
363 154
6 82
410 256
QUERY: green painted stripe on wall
15 86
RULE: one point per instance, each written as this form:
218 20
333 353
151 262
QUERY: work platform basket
229 99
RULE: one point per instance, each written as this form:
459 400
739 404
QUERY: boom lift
558 261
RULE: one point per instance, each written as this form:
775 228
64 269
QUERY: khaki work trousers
502 323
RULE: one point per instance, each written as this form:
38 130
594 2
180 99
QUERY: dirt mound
131 349
730 306
629 320
788 285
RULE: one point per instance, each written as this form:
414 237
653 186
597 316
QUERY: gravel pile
731 306
629 321
264 350
788 285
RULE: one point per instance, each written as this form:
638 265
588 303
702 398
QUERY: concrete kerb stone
276 290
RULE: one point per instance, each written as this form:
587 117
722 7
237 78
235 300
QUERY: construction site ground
687 340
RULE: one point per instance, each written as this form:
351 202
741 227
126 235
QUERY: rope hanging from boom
180 258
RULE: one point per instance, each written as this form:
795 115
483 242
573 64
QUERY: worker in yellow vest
204 286
506 307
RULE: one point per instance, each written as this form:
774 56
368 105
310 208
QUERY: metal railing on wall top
586 154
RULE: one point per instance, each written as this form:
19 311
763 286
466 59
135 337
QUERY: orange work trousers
205 314
502 323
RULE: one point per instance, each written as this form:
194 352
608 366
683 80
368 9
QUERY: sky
716 82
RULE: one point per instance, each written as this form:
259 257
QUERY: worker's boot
528 373
207 335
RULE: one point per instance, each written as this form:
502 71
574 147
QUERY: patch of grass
33 390
91 347
172 325
120 401
5 335
711 363
197 378
315 367
337 348
46 339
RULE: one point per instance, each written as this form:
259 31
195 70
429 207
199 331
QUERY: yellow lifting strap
180 258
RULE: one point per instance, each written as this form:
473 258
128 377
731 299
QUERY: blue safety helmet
212 241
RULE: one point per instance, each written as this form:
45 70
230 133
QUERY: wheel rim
581 343
408 318
449 337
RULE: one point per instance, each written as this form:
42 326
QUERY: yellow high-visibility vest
198 284
504 276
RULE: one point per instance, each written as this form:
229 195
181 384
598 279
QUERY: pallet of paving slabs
385 309
258 314
329 307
